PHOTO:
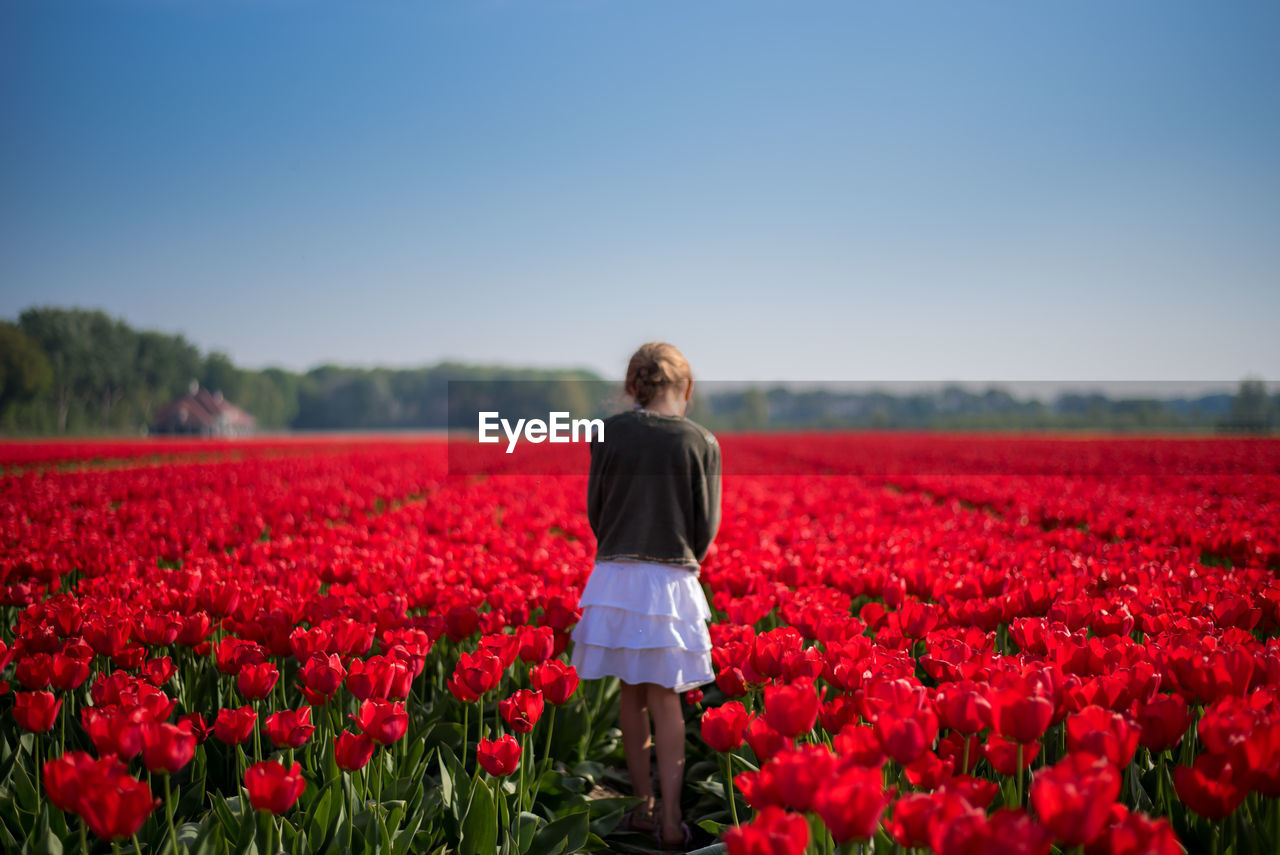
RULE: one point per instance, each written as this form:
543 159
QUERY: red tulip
1002 754
1129 833
272 788
1163 720
68 672
65 779
1072 798
906 737
384 677
195 723
537 644
290 728
851 804
478 672
962 707
725 726
763 739
233 726
794 776
911 814
791 709
773 831
323 675
522 710
117 806
33 671
167 748
382 721
158 671
556 680
1020 710
36 712
1107 734
1209 787
1011 831
352 750
732 682
956 827
113 731
858 744
499 757
257 681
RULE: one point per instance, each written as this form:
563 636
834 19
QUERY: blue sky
786 190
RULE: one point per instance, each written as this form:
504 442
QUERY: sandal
640 818
681 845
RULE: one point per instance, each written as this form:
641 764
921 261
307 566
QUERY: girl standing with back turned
653 501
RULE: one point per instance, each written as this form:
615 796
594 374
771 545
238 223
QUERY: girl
653 501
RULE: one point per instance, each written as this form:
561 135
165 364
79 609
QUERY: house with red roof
203 413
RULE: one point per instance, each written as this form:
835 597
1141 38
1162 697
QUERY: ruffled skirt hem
643 623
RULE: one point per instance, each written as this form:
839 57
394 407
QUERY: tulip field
956 644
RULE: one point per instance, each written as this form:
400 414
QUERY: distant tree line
81 371
1250 410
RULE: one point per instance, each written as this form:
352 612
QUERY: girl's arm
706 500
594 488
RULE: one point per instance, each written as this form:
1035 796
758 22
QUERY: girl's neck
670 404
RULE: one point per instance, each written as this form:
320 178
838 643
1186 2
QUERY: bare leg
668 722
633 717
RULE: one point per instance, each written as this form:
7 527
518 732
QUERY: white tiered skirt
643 623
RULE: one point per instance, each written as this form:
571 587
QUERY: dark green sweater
653 493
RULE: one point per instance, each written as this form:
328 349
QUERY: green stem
35 745
964 770
546 748
137 848
499 807
524 751
466 734
1017 779
84 837
730 796
537 771
257 734
168 813
351 816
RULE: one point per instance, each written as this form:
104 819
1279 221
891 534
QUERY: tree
166 365
66 337
25 371
221 375
1251 408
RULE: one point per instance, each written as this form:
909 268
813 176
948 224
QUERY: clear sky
787 190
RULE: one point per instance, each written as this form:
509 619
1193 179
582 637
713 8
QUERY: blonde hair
653 368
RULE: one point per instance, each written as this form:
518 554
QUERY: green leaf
527 825
716 848
24 788
448 764
44 842
574 784
566 834
480 823
316 823
712 827
230 819
594 772
211 840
